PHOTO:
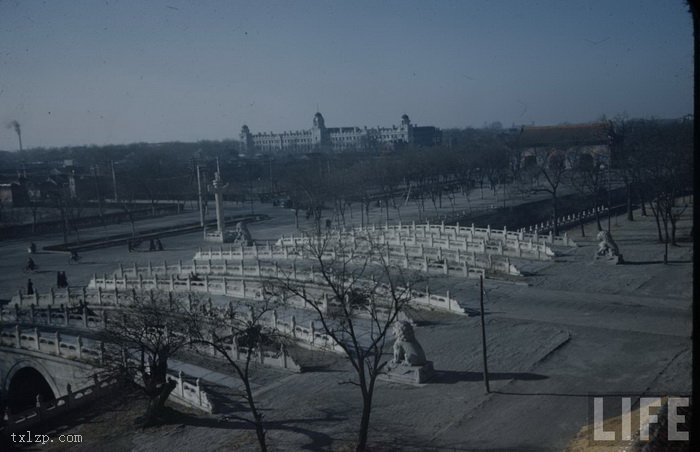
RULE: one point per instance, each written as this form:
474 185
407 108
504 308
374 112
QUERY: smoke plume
18 130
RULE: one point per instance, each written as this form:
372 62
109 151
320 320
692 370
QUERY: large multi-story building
322 138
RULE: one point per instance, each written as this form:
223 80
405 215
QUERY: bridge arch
24 381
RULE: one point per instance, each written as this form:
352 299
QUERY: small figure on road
30 287
74 257
152 246
31 266
130 245
159 246
32 248
328 223
62 280
58 280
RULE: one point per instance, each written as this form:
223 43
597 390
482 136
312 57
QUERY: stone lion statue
242 234
407 350
607 246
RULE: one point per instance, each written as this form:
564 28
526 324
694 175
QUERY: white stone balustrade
52 343
46 410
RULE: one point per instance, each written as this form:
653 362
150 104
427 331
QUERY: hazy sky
97 72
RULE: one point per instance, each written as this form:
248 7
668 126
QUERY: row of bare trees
366 296
657 166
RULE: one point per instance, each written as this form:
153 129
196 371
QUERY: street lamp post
602 168
609 200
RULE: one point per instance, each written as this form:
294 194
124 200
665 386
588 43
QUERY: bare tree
659 158
141 338
546 171
361 298
238 334
588 178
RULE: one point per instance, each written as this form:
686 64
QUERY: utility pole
200 197
97 191
114 182
609 198
504 192
483 333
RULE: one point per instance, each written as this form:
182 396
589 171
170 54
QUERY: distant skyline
82 72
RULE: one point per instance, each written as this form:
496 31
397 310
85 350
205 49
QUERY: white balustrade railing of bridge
468 265
456 237
567 221
470 233
189 394
53 343
359 242
78 315
83 318
263 355
252 289
46 410
64 316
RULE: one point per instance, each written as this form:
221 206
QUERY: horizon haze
117 72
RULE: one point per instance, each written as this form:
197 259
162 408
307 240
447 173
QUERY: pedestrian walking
30 287
62 280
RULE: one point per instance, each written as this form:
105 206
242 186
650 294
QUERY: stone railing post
39 406
36 339
57 343
18 337
65 315
85 316
79 347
